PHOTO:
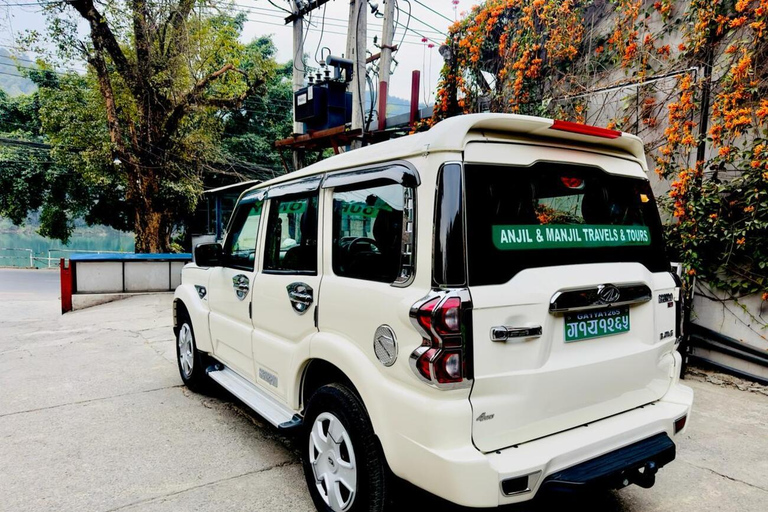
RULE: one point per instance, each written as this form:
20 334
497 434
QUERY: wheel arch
320 372
187 300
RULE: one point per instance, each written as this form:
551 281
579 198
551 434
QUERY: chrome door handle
241 285
301 296
502 333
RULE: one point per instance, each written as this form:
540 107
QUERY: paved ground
93 417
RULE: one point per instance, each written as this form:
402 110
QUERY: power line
434 11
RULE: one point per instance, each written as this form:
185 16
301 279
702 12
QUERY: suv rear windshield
557 214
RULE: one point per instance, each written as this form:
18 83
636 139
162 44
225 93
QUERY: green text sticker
556 236
358 209
299 206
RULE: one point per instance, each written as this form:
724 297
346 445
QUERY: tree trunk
151 221
151 232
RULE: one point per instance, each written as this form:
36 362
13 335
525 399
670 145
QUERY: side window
240 248
368 232
291 243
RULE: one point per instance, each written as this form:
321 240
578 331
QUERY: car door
285 290
230 288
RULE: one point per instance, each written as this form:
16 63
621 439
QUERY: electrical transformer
324 105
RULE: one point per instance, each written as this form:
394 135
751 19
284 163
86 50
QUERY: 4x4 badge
484 417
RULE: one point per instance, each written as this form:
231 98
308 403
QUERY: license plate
595 324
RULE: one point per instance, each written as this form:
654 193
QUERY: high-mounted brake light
443 358
584 129
572 183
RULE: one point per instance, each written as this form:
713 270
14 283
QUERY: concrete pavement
93 417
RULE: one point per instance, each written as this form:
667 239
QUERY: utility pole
298 75
385 64
357 34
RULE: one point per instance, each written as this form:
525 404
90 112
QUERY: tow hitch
637 463
645 477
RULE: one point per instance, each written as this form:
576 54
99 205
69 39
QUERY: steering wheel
359 241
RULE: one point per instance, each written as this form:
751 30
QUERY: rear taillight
443 319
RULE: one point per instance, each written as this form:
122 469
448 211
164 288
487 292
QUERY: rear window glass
557 214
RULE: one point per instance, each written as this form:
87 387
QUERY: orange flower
738 22
692 272
725 151
762 111
765 295
749 209
741 241
741 5
712 215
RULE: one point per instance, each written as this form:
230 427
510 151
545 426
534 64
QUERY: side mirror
208 255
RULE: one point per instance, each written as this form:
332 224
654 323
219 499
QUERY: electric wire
322 33
434 11
281 8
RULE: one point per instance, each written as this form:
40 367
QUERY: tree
250 131
147 116
30 180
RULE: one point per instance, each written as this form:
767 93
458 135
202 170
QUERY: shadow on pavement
409 497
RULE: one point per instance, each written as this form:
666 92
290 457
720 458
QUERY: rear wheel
343 462
190 360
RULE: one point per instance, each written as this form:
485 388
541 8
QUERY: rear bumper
471 478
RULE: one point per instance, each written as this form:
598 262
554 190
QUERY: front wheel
343 462
190 360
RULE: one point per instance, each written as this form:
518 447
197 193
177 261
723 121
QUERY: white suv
484 309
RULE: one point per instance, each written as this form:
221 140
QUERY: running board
269 408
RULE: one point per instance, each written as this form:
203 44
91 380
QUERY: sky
326 28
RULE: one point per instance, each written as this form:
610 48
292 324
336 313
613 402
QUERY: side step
269 408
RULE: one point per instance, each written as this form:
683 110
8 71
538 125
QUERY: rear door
285 291
566 271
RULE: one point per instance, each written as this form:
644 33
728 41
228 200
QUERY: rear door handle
301 296
503 333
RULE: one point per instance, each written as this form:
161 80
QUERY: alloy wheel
186 350
333 462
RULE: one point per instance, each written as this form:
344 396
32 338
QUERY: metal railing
29 252
25 255
55 260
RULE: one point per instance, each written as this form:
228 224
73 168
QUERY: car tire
343 462
191 362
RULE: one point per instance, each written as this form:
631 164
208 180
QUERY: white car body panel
429 436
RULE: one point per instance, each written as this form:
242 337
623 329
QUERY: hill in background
10 80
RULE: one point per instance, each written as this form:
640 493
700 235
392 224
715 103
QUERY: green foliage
247 142
171 97
562 59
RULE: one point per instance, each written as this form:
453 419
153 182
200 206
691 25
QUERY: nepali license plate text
594 324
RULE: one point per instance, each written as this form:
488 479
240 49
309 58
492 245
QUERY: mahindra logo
608 294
